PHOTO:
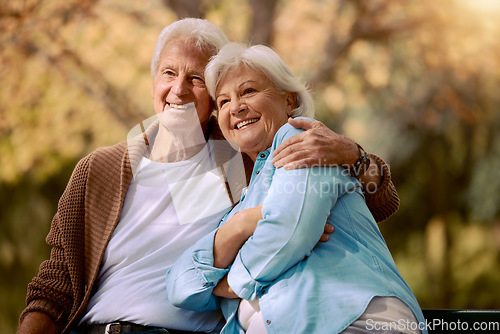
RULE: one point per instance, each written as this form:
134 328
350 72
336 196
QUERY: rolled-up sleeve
192 278
294 213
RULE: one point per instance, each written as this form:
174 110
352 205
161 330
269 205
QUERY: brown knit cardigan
87 214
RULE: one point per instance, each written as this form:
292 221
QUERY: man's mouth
246 122
178 106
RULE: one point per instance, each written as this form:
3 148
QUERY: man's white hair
205 35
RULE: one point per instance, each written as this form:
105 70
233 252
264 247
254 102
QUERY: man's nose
180 86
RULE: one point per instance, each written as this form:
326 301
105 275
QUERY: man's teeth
178 106
248 121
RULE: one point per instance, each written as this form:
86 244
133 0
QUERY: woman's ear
291 102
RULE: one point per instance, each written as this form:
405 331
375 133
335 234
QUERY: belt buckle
108 329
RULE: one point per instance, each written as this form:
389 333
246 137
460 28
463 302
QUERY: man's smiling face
180 81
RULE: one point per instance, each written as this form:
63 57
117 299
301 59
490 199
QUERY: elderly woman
265 262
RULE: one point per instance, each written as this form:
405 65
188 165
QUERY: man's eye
198 81
168 73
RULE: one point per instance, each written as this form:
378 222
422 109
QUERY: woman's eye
248 91
222 103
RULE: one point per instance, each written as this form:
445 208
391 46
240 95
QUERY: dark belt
125 327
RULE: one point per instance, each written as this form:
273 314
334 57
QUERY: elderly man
130 210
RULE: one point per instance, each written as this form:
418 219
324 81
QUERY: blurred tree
404 77
415 81
261 29
262 15
187 8
371 21
73 79
428 92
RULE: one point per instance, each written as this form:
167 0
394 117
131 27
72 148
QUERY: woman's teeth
248 121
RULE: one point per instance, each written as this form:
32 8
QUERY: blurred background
416 82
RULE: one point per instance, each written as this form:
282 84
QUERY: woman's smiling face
251 109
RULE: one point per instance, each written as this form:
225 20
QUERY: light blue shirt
302 286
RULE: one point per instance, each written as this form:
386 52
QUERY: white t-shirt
168 207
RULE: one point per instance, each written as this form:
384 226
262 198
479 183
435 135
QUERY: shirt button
262 155
268 322
257 172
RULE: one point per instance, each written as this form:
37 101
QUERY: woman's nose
236 106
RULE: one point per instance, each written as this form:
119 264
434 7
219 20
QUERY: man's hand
317 146
37 323
329 229
320 146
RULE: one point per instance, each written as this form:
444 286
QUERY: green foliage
433 99
27 206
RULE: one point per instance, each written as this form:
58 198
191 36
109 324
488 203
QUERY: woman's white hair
266 60
205 35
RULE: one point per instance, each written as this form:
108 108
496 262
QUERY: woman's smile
246 123
251 109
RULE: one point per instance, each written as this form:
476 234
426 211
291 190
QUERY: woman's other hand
222 289
233 234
